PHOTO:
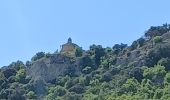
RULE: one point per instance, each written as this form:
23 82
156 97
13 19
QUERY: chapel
68 47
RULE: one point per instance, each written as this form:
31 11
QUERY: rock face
47 70
146 54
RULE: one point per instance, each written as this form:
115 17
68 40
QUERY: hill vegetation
137 72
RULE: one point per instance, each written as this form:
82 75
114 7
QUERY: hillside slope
139 71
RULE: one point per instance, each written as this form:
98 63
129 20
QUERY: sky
31 26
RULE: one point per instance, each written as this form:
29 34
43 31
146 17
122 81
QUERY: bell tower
69 40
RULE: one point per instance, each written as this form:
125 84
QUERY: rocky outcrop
47 70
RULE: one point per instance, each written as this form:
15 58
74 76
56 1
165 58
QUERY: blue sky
30 26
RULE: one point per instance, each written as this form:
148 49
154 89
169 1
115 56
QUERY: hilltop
139 71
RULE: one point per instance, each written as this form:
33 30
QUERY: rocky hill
139 71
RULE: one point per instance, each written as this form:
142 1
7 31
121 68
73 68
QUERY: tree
21 75
166 93
131 85
105 64
9 72
136 73
72 96
146 89
140 42
155 74
87 70
86 61
165 62
157 30
55 92
17 65
167 78
61 80
38 55
106 77
79 89
31 95
118 47
79 52
47 55
158 94
98 52
28 64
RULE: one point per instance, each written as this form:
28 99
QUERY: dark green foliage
79 52
72 96
16 65
136 73
117 48
134 45
141 42
165 62
47 55
106 77
158 52
9 72
55 92
87 61
153 57
69 84
61 81
31 95
87 70
97 52
138 43
17 95
15 92
157 30
78 89
38 55
12 79
114 71
28 64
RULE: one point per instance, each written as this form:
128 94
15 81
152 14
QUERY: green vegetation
38 55
79 52
157 39
137 72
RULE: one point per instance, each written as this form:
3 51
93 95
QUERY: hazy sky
30 26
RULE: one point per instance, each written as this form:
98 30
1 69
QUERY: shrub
118 47
77 89
167 78
131 85
38 55
72 96
9 72
157 30
21 75
165 62
79 52
31 95
157 39
55 92
106 77
87 70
